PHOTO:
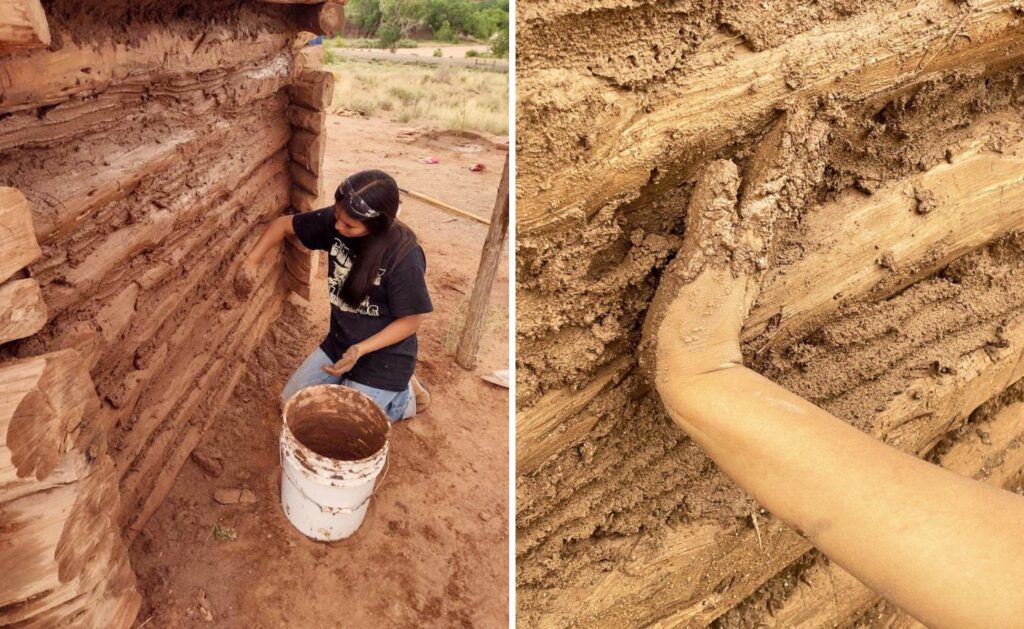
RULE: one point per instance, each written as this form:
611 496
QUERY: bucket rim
326 460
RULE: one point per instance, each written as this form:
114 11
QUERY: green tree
446 33
364 13
499 46
398 17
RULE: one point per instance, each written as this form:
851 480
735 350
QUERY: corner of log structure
22 26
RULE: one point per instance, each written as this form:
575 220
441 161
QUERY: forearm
396 331
272 237
925 538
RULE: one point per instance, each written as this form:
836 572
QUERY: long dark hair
371 197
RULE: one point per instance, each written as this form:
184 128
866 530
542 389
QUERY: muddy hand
694 323
245 281
345 363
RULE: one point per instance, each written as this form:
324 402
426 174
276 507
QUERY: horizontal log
546 429
43 400
41 78
17 235
98 185
190 197
664 588
865 56
973 200
828 596
136 103
22 309
303 201
322 19
313 89
308 150
311 120
22 26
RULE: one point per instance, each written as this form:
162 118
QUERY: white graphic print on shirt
342 258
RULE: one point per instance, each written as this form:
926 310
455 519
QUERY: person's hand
693 325
345 363
245 280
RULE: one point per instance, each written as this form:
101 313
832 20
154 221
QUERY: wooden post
22 25
469 343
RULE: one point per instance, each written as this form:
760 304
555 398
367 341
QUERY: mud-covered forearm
943 547
272 237
935 543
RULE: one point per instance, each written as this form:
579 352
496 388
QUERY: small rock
485 516
234 496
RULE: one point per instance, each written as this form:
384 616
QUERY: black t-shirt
398 292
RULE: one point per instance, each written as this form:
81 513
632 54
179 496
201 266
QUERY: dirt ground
433 550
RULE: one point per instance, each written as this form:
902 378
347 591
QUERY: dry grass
451 97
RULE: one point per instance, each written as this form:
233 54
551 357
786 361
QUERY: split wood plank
313 89
22 25
494 244
664 588
325 19
697 118
828 596
43 399
18 246
22 309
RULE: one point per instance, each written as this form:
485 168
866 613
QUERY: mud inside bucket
337 422
334 450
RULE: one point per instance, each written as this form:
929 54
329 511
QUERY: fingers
709 239
341 367
334 370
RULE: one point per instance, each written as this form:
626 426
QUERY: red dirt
433 550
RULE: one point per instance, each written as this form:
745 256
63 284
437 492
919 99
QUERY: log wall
141 153
888 139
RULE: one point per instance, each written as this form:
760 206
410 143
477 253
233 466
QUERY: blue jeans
396 404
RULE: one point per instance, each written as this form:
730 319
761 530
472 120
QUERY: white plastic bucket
334 446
